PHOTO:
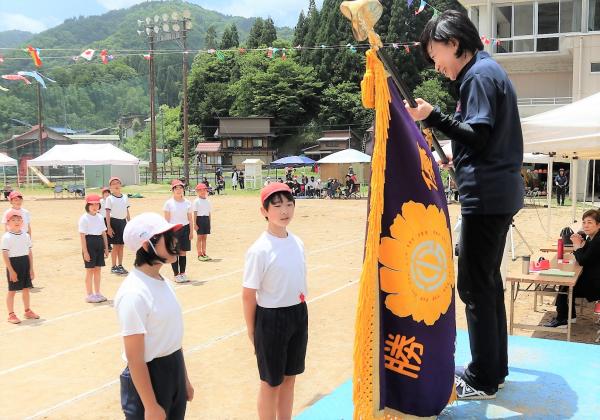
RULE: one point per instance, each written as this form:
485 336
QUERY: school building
550 49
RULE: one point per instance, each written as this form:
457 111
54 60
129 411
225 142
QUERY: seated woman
587 254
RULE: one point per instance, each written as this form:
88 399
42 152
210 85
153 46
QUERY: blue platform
548 379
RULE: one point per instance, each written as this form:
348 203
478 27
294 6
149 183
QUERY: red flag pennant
104 56
147 57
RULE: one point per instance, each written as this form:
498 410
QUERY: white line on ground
100 307
194 349
109 337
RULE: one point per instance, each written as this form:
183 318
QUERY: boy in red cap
16 202
178 210
275 310
94 247
202 210
117 216
16 251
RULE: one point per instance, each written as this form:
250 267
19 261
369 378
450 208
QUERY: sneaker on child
12 318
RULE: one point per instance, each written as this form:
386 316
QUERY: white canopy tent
571 131
6 160
85 155
346 156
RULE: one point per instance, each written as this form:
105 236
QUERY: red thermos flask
560 249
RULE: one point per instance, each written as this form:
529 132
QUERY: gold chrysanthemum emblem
417 269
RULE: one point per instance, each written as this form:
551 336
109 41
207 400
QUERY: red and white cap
143 227
12 213
92 199
201 186
14 194
176 183
273 188
114 178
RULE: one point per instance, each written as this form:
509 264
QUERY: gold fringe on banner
375 94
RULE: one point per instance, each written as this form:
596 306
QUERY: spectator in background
311 186
234 179
318 188
241 179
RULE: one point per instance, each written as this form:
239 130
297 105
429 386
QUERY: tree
235 37
269 33
287 91
230 38
300 30
210 39
432 89
255 33
341 105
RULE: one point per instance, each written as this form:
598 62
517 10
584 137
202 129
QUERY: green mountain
90 95
14 38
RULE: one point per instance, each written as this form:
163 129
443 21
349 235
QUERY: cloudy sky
38 15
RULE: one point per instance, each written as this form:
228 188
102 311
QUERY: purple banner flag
408 332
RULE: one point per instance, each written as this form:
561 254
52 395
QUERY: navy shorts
22 267
95 247
203 223
167 375
183 238
280 340
118 226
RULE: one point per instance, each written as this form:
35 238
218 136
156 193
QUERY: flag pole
407 95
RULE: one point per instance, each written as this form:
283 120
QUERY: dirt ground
66 365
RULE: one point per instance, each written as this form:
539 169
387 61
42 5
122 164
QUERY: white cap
143 227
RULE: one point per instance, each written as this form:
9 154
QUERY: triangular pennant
88 54
421 7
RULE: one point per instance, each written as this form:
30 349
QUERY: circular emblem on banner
417 270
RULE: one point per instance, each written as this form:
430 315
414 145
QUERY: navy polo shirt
489 181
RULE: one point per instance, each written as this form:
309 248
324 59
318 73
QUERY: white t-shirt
202 207
276 268
26 218
91 225
102 210
17 244
178 211
149 306
117 205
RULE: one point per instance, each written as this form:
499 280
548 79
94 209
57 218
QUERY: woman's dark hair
149 257
449 25
277 198
87 207
594 214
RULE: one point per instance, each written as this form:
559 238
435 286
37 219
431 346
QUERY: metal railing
561 100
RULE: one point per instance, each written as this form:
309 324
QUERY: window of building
234 143
570 16
595 67
594 15
474 15
535 26
257 142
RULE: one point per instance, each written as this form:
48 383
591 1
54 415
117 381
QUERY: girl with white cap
155 384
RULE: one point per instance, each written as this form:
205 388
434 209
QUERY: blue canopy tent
292 161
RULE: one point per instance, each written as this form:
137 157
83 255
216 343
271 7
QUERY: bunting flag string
270 52
422 5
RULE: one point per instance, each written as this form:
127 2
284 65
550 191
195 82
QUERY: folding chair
59 189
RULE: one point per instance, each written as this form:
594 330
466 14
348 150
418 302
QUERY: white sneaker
180 278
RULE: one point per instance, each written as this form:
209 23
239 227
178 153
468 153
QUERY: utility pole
186 140
152 113
40 118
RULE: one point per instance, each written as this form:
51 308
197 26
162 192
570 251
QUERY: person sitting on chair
587 254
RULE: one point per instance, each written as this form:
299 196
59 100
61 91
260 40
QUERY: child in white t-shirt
94 247
117 216
178 210
16 252
202 209
16 202
155 384
275 310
